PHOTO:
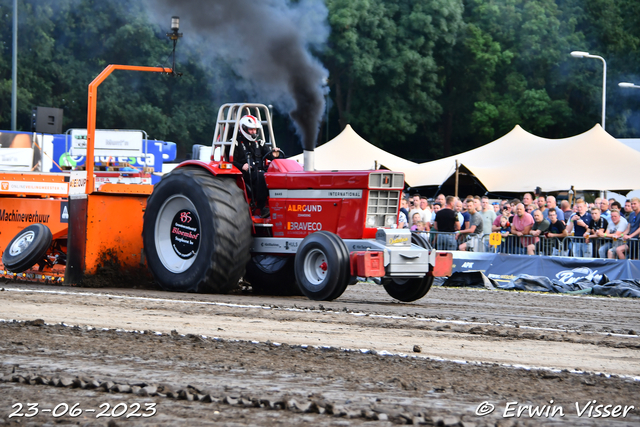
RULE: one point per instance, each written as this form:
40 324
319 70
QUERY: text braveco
304 226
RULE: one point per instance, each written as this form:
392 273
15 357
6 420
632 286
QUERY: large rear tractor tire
272 275
408 290
322 270
197 232
27 248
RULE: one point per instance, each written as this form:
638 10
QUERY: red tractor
202 232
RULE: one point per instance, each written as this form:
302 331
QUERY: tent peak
518 129
348 129
597 130
349 132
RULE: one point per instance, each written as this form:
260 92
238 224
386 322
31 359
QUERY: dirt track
469 341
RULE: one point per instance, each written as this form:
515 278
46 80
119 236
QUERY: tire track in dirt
594 352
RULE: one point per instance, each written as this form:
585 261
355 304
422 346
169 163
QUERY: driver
247 156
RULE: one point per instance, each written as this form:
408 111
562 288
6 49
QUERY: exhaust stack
309 157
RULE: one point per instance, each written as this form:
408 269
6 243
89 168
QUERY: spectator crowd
531 225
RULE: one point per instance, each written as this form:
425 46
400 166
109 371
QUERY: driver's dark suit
252 153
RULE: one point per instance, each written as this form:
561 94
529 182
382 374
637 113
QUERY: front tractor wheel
197 232
321 267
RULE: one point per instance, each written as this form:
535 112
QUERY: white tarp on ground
349 151
519 162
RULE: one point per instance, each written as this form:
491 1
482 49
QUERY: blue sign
157 152
503 268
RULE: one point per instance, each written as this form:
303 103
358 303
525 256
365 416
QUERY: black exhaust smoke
267 43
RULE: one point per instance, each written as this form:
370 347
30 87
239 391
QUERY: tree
611 29
64 45
383 70
507 70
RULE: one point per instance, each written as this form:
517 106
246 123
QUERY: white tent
349 151
519 162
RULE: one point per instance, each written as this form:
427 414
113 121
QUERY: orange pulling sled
57 227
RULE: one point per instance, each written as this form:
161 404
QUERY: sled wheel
320 267
407 290
27 248
272 275
419 240
197 232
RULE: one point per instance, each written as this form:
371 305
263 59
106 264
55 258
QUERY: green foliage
430 78
64 45
513 50
483 117
384 75
612 30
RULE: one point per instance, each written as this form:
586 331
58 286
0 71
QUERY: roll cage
226 132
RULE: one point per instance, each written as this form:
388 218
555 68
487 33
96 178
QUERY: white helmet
250 122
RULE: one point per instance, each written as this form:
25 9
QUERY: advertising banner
108 143
505 267
157 152
472 261
563 269
16 159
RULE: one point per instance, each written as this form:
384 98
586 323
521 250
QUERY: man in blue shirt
604 210
578 224
630 236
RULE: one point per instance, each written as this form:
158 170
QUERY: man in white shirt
422 209
488 215
617 226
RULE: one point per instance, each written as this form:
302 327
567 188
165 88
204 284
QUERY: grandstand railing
572 246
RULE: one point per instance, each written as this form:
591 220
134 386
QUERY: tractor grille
383 208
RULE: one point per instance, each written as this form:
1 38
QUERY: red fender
215 169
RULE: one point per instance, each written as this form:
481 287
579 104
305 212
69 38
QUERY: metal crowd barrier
445 241
517 245
572 246
600 246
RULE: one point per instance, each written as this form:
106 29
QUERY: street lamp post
625 84
14 68
578 54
